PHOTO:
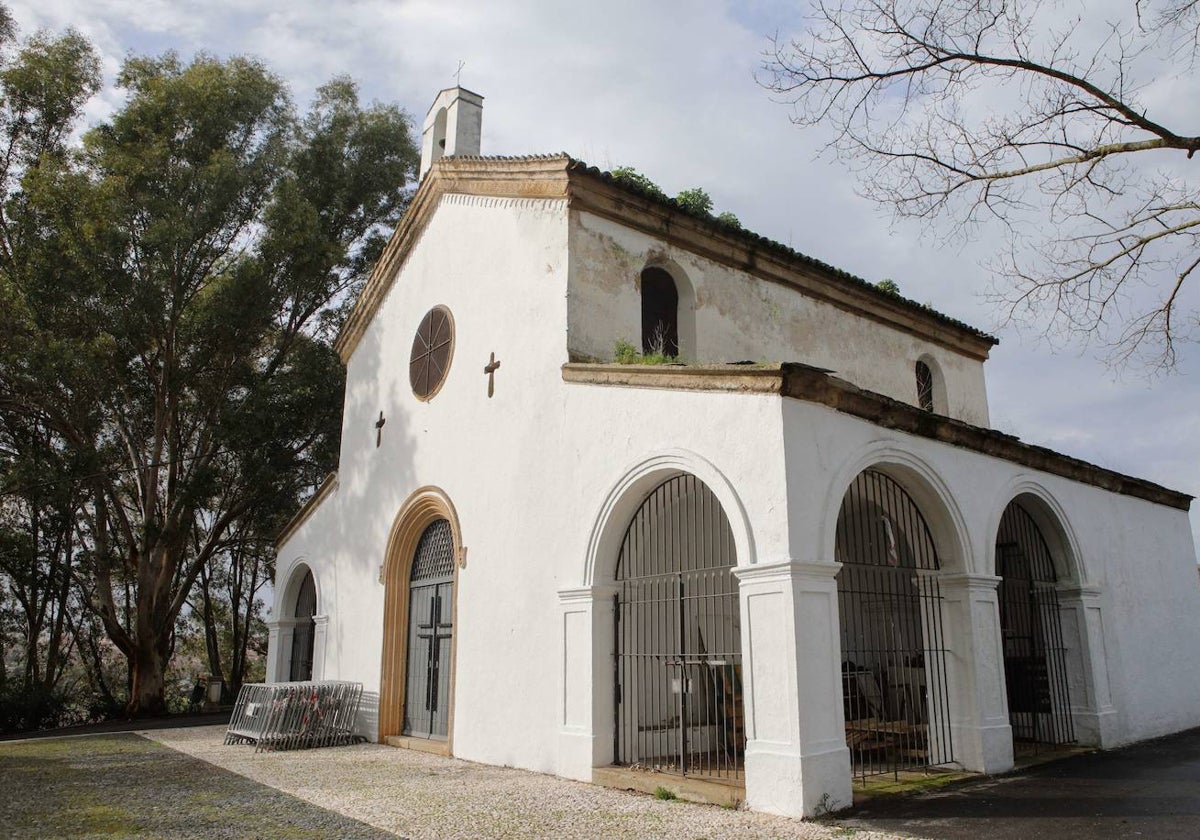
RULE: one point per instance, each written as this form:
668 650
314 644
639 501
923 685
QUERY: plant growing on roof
695 201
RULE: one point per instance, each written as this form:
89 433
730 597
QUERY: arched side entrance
1035 657
894 674
416 694
678 664
304 630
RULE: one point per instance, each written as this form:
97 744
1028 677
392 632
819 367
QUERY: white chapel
795 557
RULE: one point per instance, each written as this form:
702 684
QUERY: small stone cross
490 370
379 430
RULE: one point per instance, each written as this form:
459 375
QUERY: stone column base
792 785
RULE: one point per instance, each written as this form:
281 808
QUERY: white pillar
1092 710
975 663
797 763
585 713
320 632
277 654
279 648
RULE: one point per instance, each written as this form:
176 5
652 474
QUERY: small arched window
660 313
924 386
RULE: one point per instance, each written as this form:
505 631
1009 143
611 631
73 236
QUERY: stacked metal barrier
295 715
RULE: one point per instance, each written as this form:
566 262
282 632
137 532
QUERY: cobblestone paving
417 795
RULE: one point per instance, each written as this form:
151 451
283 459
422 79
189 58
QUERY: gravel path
106 786
416 795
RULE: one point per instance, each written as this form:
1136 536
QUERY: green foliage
664 795
169 290
631 177
696 201
625 353
888 286
23 709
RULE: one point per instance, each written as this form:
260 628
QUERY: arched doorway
894 685
304 631
678 664
430 633
416 691
1035 668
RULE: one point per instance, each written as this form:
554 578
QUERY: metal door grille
1035 673
430 630
304 632
894 681
678 664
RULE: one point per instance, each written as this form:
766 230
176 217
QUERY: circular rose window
432 351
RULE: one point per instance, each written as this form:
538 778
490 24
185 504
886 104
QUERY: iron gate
894 681
430 631
304 632
678 663
1035 673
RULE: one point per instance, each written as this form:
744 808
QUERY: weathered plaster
739 317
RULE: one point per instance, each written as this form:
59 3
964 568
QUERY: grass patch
663 794
123 785
908 785
625 353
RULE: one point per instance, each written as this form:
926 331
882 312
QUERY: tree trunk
147 694
212 641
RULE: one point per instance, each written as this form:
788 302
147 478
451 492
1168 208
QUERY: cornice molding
816 385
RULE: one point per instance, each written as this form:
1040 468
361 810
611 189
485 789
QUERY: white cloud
669 88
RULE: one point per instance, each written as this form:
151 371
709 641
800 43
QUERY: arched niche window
931 385
924 386
660 313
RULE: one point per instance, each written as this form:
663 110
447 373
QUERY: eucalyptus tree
170 287
1070 126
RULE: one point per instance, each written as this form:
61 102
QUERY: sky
670 88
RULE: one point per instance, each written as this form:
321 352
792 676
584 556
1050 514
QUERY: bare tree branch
1010 113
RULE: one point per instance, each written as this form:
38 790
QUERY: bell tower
452 126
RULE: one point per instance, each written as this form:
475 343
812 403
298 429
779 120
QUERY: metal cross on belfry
490 369
458 73
379 430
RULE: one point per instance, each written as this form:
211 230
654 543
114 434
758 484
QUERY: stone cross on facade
490 369
379 430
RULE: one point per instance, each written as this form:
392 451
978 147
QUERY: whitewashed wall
739 317
527 470
1130 573
545 475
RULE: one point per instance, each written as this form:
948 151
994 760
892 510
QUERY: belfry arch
420 576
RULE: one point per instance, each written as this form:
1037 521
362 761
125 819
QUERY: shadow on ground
1150 789
166 722
124 785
